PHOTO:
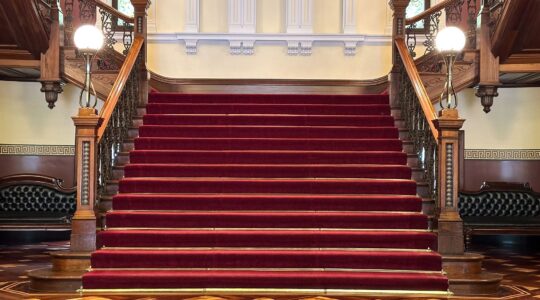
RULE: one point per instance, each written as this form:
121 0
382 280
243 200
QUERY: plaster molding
299 16
191 23
349 16
294 42
502 154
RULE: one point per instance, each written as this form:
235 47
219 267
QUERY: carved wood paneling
268 86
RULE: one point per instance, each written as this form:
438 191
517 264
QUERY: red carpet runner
267 191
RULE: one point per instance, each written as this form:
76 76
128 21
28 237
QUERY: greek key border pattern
23 149
502 154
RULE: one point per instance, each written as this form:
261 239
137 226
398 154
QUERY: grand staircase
267 194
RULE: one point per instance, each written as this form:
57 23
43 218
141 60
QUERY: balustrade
453 10
114 25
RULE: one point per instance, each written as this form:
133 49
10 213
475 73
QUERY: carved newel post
398 31
140 14
450 225
83 229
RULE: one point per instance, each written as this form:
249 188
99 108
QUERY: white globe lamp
449 42
88 40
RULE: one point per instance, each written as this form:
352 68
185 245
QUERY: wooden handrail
419 88
428 12
113 11
119 85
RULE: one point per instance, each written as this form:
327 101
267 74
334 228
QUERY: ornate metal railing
118 113
453 10
114 24
418 114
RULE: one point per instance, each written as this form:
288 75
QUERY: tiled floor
519 262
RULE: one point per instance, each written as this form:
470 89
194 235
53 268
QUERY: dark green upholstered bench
500 208
34 207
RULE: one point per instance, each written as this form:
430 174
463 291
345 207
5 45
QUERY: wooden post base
466 277
65 274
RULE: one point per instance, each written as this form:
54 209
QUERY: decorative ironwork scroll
117 128
420 133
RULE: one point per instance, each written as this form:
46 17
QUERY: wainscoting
51 160
515 165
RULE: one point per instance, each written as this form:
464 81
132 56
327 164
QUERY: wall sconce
88 40
449 42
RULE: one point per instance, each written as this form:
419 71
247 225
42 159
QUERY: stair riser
403 134
412 161
357 110
264 220
254 203
295 239
417 174
122 159
111 188
246 259
268 171
264 281
408 148
423 190
266 144
266 132
268 120
266 99
133 132
271 186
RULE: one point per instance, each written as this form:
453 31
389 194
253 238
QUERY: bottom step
225 279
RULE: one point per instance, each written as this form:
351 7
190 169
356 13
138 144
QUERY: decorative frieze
502 154
23 149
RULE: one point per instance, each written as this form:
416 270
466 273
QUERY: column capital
398 4
141 4
448 120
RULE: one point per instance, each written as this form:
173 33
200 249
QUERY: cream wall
270 59
513 122
26 118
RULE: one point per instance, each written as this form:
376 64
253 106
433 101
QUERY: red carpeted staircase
267 193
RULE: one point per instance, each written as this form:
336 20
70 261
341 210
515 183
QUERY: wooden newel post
140 7
450 224
398 31
83 228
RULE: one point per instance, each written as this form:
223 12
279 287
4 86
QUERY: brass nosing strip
393 271
269 291
268 249
261 229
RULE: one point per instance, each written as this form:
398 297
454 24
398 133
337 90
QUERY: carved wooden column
83 228
398 31
69 266
489 64
450 225
50 62
140 16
